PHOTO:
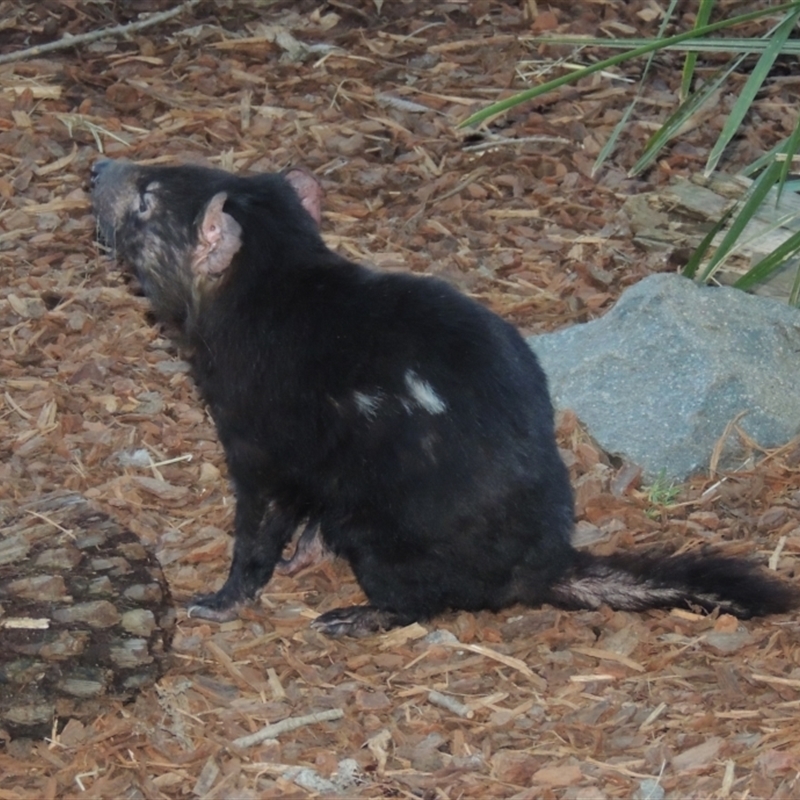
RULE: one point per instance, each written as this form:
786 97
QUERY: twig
492 142
83 38
509 661
36 514
775 558
471 178
793 682
288 724
24 414
720 444
450 703
653 716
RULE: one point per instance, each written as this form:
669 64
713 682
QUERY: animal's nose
97 169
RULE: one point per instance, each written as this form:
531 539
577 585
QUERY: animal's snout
97 170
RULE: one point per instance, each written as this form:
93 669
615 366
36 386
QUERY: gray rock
440 636
658 378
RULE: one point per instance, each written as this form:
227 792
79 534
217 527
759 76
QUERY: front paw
217 607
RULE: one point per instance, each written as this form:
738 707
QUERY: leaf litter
520 704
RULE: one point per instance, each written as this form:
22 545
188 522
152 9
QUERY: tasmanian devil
407 423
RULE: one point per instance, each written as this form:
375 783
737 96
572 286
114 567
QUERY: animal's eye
144 205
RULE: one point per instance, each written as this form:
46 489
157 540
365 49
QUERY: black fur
408 422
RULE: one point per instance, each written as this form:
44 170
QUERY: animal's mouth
105 235
106 239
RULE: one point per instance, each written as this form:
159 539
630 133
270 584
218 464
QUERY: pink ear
308 190
218 239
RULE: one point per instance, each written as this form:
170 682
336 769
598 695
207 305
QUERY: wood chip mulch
94 399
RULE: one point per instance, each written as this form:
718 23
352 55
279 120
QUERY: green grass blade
756 194
690 270
751 87
661 28
794 294
678 118
609 146
611 143
770 263
707 44
763 160
510 102
703 15
792 145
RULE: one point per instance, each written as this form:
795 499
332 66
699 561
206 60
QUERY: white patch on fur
423 394
368 404
617 590
623 591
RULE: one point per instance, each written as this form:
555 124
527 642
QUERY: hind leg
419 580
405 590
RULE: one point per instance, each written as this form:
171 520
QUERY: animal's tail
634 582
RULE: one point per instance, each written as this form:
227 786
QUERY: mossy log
85 614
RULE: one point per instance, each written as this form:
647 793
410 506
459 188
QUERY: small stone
440 636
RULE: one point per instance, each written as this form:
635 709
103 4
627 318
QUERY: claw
355 621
